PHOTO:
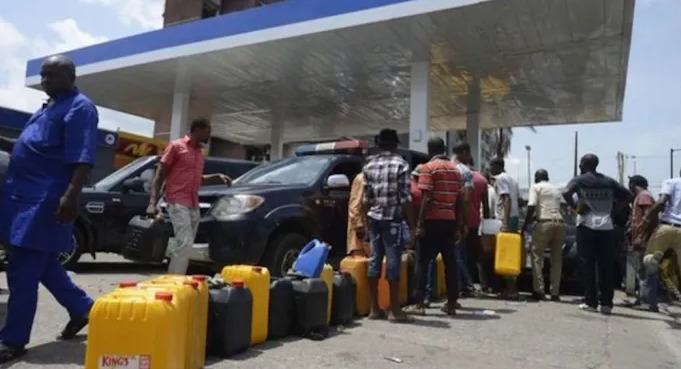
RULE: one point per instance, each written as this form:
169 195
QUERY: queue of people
443 202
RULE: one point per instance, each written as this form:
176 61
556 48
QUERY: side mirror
337 181
133 184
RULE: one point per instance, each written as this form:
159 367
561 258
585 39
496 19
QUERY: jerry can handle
310 245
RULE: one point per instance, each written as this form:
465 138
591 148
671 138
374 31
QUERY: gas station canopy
323 69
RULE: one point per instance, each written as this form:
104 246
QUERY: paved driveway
486 334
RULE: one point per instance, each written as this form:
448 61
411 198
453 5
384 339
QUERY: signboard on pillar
131 146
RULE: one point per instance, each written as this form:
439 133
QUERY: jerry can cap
127 284
199 278
194 284
238 283
164 296
257 269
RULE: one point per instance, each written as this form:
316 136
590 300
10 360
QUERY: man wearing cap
388 202
642 203
549 232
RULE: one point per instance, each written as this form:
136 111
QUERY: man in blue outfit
49 165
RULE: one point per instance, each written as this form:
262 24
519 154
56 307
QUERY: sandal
415 310
378 315
402 318
10 353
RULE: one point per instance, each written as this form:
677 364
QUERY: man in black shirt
599 197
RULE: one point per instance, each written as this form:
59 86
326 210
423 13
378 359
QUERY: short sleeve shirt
504 184
479 191
546 198
185 162
59 135
386 186
642 200
599 193
441 178
672 211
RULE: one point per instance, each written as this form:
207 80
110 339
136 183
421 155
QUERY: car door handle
94 207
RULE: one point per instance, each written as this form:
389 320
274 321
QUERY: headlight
229 206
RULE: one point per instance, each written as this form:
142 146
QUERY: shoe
555 298
73 327
606 310
426 303
536 296
450 309
10 353
588 308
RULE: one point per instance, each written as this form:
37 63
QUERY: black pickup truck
271 212
108 206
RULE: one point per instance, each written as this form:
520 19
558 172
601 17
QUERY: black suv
108 206
271 212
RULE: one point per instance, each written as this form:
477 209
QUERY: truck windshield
123 173
297 170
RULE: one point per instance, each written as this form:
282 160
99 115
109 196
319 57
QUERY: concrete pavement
485 334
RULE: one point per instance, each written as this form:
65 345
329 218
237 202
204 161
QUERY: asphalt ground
486 333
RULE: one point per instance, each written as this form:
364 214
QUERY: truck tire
70 259
282 252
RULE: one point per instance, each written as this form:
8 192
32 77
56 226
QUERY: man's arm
485 203
506 202
80 145
532 203
654 211
404 188
215 178
569 192
425 184
7 144
355 209
156 184
504 192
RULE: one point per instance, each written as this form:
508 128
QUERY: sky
652 116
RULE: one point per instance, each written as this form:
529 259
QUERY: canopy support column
276 135
473 121
419 112
181 99
179 116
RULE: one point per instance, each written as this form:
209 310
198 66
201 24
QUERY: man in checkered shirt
387 199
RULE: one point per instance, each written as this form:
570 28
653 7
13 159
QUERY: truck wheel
70 259
282 252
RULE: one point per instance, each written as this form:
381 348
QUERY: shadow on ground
57 352
119 268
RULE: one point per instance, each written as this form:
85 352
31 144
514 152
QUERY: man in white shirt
506 210
667 235
549 231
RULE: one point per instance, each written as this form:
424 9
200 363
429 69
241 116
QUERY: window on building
211 8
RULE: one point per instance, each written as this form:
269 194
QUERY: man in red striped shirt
439 222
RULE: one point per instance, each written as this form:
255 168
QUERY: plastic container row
172 321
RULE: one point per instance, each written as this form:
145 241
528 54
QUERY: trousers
549 235
185 225
438 238
596 249
26 268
